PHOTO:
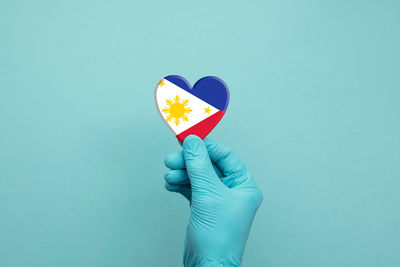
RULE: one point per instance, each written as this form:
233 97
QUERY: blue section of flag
209 89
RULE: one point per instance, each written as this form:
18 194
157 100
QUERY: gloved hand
223 201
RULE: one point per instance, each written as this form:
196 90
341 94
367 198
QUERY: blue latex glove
223 201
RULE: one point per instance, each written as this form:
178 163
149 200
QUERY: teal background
314 112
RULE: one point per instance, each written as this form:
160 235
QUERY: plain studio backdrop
314 112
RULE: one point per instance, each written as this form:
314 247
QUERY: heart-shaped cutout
188 110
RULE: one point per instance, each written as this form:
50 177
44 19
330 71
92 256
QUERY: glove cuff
200 261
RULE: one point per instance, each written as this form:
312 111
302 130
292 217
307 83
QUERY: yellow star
161 83
207 110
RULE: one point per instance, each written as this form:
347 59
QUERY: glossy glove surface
223 201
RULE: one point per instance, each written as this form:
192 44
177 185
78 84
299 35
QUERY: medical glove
223 201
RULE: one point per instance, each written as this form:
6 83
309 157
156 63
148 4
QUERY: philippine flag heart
189 110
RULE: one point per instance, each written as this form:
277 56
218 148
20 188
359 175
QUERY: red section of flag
203 128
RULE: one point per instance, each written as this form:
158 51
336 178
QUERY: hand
223 200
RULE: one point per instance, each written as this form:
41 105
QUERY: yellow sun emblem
177 110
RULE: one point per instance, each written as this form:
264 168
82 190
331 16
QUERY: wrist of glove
194 260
